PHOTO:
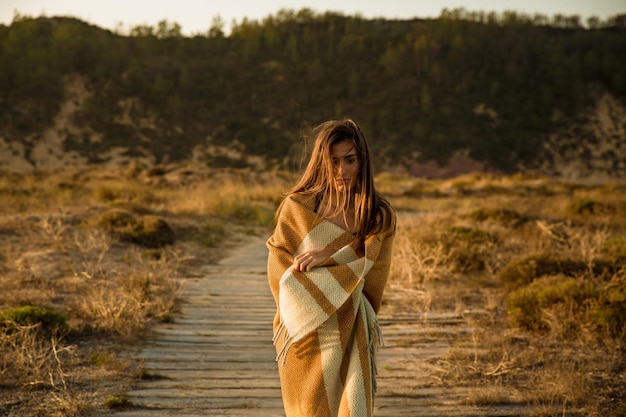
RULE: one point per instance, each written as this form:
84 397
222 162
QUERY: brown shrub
522 271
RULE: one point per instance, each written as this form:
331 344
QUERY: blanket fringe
281 338
376 341
285 344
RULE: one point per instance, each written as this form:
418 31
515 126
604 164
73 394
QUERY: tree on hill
493 86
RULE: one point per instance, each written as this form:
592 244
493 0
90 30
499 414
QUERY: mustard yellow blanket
325 330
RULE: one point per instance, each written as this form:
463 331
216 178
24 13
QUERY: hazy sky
195 16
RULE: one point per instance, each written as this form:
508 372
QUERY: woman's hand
305 261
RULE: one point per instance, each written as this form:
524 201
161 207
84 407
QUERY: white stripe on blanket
321 235
331 355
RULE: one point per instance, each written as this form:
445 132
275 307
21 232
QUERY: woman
328 263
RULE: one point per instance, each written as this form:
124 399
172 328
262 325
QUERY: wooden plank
217 358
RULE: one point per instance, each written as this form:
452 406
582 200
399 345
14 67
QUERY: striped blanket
325 330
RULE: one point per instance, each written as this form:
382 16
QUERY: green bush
525 305
615 248
523 310
99 359
118 401
153 232
610 317
148 231
560 290
574 303
501 216
523 271
609 311
51 322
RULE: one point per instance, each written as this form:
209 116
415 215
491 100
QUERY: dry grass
536 267
552 338
110 250
30 358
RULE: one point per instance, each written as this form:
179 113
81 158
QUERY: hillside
436 97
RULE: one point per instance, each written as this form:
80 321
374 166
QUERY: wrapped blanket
325 329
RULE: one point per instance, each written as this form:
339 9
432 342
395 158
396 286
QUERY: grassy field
536 267
91 258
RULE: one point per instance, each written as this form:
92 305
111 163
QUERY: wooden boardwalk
217 358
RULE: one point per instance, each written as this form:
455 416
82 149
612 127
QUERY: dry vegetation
537 270
90 258
535 267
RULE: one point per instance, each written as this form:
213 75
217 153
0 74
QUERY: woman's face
346 164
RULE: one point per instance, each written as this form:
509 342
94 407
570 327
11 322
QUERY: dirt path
217 359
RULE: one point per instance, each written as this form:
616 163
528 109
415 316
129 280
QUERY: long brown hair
372 212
